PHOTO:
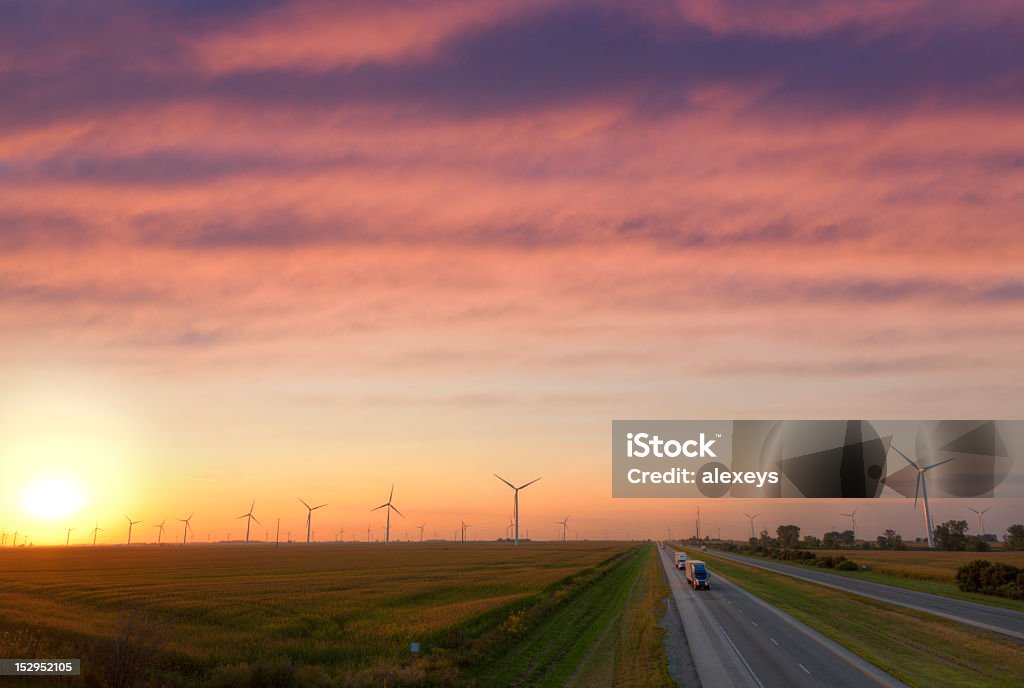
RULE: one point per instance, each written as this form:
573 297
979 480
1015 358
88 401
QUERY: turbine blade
392 493
504 481
303 502
379 507
396 510
907 458
917 487
529 483
255 519
984 510
242 516
936 465
975 511
318 507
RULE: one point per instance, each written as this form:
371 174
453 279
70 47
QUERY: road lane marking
773 640
753 622
802 667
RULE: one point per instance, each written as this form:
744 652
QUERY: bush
997 579
847 566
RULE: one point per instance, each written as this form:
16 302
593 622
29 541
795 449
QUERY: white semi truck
697 574
680 560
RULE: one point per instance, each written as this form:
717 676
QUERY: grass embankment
919 649
607 635
924 571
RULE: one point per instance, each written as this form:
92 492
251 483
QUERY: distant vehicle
697 575
680 560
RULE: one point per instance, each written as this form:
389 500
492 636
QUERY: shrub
987 578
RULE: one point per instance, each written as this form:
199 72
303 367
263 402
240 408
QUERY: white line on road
802 667
773 640
753 622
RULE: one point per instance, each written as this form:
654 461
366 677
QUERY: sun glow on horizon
53 498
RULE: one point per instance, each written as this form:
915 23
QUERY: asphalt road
738 640
984 616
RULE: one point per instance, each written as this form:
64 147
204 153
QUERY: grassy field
225 616
923 570
919 649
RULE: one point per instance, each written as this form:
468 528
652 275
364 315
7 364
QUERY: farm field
918 648
318 615
932 572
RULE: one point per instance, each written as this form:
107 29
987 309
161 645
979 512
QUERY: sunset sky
308 249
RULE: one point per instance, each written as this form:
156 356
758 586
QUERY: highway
737 640
997 619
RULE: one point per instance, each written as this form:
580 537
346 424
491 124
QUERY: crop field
318 615
923 564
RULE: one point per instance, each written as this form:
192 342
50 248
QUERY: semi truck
680 560
697 574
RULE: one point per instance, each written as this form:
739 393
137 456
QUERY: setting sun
52 498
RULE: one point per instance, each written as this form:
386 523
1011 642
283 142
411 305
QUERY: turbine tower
250 518
160 530
515 499
309 516
187 528
752 517
922 486
853 519
565 526
389 506
420 526
94 531
981 517
130 524
67 542
465 526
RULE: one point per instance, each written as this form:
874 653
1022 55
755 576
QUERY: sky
279 249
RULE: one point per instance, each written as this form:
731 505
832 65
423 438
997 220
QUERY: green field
918 648
331 615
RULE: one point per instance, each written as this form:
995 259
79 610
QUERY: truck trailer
697 574
680 560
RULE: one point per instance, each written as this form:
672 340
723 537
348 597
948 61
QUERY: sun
53 498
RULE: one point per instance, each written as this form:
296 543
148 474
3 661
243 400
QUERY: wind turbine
981 517
251 518
3 538
565 526
752 523
420 526
341 533
465 526
94 531
389 506
309 516
508 529
515 499
67 542
14 539
853 519
130 524
187 528
922 485
368 533
160 530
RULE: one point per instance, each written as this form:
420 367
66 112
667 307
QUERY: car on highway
697 574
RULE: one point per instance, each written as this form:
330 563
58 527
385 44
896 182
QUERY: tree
1014 537
951 536
831 540
847 538
812 541
789 536
890 539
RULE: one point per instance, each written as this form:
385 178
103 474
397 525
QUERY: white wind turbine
131 523
515 499
420 526
309 516
853 519
187 528
981 517
250 518
922 486
565 526
160 530
389 506
752 517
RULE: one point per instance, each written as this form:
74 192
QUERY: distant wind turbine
389 507
309 516
368 531
515 499
922 486
160 530
94 531
187 527
565 526
131 523
853 519
752 517
420 526
465 526
67 542
981 517
250 518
